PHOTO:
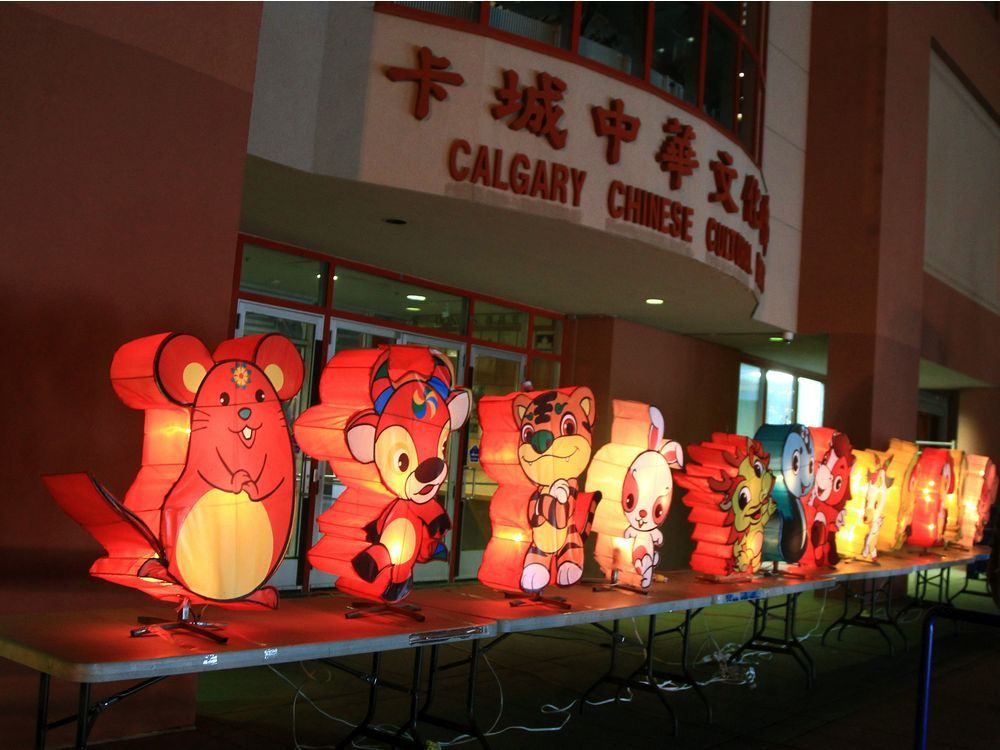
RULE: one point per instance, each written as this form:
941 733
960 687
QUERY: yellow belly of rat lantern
225 545
548 538
400 539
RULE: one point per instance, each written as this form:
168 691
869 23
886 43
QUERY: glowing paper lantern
729 494
535 446
793 464
858 535
952 500
383 423
933 478
899 496
208 516
824 509
632 475
979 493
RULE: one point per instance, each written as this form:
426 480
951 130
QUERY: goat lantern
793 464
729 494
899 495
208 516
865 511
824 508
933 478
534 446
383 422
633 475
979 493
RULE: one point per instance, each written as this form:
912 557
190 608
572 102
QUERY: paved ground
863 697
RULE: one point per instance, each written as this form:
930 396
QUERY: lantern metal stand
613 584
365 609
185 622
529 600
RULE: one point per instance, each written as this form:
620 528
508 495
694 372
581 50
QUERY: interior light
739 115
742 74
335 277
661 50
416 297
413 309
319 276
654 301
775 339
690 39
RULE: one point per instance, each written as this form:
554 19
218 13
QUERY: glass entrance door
305 331
347 334
494 373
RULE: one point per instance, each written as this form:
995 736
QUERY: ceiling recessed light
397 222
413 309
416 297
654 301
776 339
319 276
742 74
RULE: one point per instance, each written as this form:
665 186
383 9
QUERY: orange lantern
535 446
979 493
933 478
824 508
729 494
632 475
383 423
899 496
208 516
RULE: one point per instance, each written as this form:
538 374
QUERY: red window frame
744 44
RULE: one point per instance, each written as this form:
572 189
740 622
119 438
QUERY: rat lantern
633 474
384 422
208 516
535 446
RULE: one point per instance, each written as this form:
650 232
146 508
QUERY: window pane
748 410
283 275
548 334
398 301
550 23
614 34
780 388
500 324
544 373
676 47
720 72
810 402
465 10
746 115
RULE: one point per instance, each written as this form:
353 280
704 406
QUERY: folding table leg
83 716
42 722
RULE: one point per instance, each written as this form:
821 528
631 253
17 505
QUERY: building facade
810 190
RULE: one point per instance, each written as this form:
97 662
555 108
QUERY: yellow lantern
979 492
953 499
632 473
865 511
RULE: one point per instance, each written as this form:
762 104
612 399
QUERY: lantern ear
586 401
889 481
282 363
674 454
181 366
656 430
521 404
361 436
459 406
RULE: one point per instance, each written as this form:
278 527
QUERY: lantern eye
743 498
402 461
838 482
795 462
526 432
628 503
659 511
260 396
758 469
568 425
224 399
812 465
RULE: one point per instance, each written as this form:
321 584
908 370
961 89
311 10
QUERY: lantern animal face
555 434
825 507
648 488
407 440
798 463
750 496
208 516
876 496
